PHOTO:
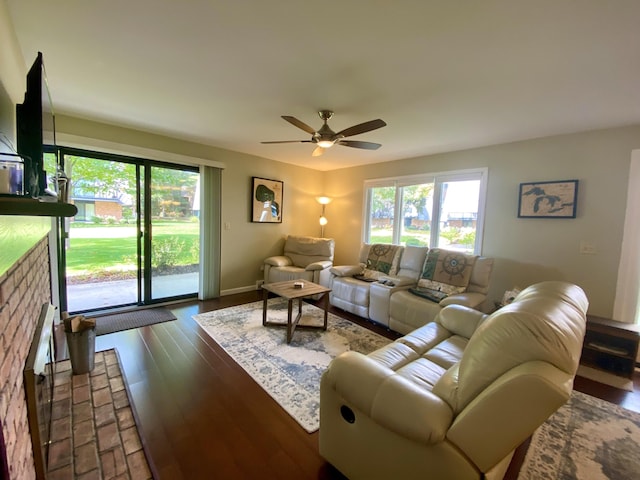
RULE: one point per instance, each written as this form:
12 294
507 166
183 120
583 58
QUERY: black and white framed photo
266 200
556 199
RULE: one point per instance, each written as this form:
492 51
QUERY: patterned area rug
587 439
134 319
289 373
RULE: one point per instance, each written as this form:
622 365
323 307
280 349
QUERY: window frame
437 179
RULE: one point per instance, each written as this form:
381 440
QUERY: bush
166 252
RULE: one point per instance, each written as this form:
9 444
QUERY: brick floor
93 431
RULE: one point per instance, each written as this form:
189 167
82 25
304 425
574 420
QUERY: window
436 210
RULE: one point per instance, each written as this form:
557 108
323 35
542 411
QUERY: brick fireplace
24 287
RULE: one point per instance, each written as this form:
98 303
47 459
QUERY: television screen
35 116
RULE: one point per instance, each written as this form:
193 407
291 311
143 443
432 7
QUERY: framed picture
548 199
266 200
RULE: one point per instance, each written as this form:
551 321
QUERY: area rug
586 439
289 373
133 319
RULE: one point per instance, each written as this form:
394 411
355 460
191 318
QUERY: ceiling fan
326 138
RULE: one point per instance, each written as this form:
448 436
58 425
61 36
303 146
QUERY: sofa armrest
460 320
347 270
352 365
321 265
397 281
411 411
389 399
468 299
278 261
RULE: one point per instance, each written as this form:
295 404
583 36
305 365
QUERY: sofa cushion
382 259
446 271
422 372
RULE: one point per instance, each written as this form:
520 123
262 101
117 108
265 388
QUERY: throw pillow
382 260
447 271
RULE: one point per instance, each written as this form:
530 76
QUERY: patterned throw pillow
447 271
382 260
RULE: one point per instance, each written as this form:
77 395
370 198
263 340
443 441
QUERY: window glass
442 210
417 204
458 215
382 211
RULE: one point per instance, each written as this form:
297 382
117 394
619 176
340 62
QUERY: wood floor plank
202 416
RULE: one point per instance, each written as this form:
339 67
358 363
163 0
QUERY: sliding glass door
135 238
174 240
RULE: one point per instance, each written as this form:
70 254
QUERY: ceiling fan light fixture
326 143
325 138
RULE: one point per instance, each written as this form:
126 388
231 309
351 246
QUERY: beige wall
526 250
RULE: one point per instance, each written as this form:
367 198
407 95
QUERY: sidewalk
89 296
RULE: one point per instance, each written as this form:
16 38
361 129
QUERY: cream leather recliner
454 398
303 258
387 300
407 311
351 284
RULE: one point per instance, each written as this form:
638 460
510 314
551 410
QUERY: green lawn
95 249
417 238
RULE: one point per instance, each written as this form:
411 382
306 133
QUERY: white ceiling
445 75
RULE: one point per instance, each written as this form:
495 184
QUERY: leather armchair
454 398
303 258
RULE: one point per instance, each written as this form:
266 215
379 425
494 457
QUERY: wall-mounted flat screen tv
34 117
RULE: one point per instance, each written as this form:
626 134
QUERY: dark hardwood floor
201 416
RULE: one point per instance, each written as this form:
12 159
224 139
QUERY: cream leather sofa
303 258
387 300
454 398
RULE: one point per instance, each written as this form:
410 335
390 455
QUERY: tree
172 190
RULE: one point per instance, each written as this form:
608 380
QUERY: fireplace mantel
33 207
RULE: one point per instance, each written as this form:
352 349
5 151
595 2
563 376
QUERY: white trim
233 291
408 180
77 141
626 304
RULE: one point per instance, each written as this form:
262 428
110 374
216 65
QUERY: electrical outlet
588 248
227 225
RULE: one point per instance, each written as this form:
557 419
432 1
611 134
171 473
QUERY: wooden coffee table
288 291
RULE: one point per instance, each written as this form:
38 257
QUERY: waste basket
82 349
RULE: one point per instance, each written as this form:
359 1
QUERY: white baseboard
231 291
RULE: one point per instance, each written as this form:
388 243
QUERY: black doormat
134 319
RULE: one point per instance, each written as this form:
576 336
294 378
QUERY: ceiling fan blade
361 128
290 141
357 144
299 124
317 152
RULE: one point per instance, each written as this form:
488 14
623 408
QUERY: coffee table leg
289 322
326 306
265 297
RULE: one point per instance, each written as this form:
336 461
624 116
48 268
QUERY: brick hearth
94 435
